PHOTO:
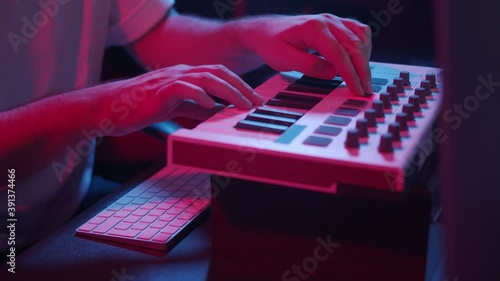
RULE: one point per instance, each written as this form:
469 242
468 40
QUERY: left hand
285 42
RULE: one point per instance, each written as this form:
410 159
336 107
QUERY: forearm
194 41
35 134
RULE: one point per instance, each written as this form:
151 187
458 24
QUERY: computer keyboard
156 213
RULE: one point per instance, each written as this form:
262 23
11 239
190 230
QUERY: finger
302 61
178 91
329 47
217 87
355 48
234 80
363 31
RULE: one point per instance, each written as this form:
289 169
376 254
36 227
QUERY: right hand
162 94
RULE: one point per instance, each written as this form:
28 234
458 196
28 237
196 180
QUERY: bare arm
190 40
42 128
45 127
283 42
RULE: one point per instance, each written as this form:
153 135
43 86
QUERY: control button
386 100
362 126
408 109
405 75
370 116
347 111
385 145
401 119
420 92
379 108
394 130
355 103
379 81
336 120
328 130
399 83
352 140
415 100
426 84
376 88
432 78
393 91
318 141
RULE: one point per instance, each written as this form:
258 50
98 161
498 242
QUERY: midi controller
314 134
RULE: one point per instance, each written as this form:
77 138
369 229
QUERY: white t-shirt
54 46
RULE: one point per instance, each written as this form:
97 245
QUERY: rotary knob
415 101
352 140
362 126
408 109
379 108
405 75
393 92
426 84
399 83
431 77
385 145
385 98
401 119
421 93
370 116
394 130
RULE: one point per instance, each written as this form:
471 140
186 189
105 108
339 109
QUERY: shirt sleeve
131 19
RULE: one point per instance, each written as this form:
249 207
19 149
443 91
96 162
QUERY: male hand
285 43
180 90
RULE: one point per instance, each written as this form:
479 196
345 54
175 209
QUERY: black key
328 130
335 81
355 103
279 112
318 141
258 126
289 103
337 120
270 119
346 111
308 89
376 88
379 81
324 84
298 97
